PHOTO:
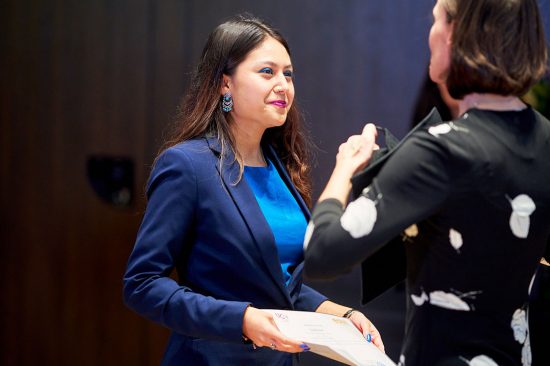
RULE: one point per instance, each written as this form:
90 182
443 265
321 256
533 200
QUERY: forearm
308 299
338 186
185 311
332 308
329 252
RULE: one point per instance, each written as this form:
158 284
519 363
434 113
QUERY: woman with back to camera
227 208
475 188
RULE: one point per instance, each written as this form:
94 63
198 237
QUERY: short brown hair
498 46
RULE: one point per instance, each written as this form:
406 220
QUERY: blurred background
89 88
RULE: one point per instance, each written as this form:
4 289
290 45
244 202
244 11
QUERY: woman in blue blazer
227 209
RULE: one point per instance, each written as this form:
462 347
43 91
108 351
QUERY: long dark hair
200 113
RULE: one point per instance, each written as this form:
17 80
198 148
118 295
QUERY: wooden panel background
79 78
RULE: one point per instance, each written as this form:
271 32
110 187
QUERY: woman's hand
367 328
353 155
260 328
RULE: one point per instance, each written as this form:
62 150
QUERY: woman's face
262 87
440 44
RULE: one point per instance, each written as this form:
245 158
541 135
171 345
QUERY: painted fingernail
305 347
368 338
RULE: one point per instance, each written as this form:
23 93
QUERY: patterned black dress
472 197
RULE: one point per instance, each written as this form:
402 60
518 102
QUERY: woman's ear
450 34
225 84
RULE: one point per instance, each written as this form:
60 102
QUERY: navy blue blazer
210 228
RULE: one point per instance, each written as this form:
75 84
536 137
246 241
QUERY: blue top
282 213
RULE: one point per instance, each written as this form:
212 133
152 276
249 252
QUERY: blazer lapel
246 203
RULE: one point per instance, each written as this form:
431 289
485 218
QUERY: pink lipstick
279 103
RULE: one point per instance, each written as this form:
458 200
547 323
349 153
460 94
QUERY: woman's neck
492 102
248 145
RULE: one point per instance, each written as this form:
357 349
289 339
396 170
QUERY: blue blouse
282 213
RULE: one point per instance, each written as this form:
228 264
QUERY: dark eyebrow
271 63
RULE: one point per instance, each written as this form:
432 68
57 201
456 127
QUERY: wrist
246 314
344 171
338 186
348 313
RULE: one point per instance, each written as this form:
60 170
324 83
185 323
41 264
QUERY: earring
227 102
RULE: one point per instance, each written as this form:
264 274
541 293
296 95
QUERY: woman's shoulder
197 148
456 145
467 135
445 136
187 159
192 146
190 154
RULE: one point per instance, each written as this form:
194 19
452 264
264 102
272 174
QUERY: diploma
330 336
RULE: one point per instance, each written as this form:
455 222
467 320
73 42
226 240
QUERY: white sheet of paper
330 336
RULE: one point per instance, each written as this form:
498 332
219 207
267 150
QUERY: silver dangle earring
227 102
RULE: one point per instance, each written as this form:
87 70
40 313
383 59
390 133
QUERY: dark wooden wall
80 78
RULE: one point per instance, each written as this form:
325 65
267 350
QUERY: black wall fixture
112 178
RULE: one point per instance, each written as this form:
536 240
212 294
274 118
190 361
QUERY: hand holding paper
367 329
259 327
330 336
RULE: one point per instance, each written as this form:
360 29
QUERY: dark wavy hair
498 46
200 112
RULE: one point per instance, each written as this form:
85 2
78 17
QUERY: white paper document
330 336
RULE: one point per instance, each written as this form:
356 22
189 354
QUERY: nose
281 86
279 89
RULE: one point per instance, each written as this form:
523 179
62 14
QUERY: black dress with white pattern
472 197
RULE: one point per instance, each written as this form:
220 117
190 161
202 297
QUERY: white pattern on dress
520 326
419 300
481 360
445 128
401 360
445 300
359 217
522 207
309 233
448 301
456 239
440 129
